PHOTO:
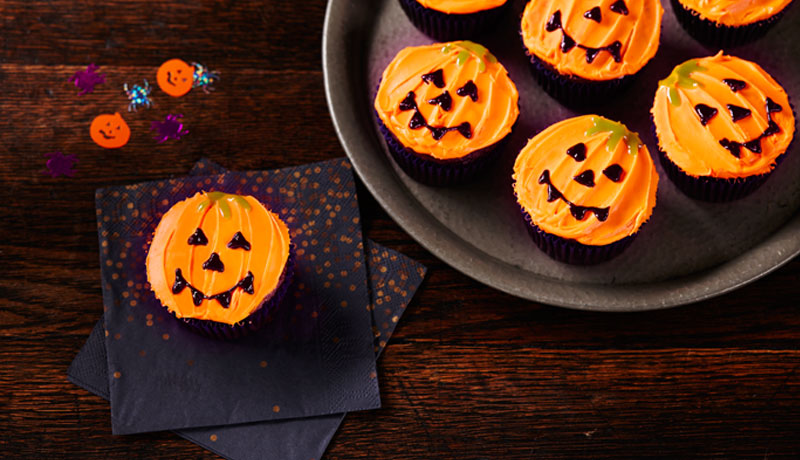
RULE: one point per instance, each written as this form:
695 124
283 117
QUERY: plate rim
758 261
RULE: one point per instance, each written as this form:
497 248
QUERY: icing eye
614 172
577 151
239 242
469 89
585 178
619 7
705 113
443 100
738 113
734 84
198 238
436 77
594 14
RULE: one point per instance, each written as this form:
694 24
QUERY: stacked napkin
283 391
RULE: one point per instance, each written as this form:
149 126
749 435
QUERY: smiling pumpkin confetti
588 47
442 107
175 77
109 131
218 257
723 124
586 185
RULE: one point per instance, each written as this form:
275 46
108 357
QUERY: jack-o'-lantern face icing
587 178
217 257
722 116
109 131
174 77
461 6
447 100
593 39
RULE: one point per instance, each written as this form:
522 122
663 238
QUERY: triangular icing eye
435 77
594 14
239 242
198 238
468 90
619 7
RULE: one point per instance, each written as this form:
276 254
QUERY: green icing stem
467 47
681 76
222 199
618 131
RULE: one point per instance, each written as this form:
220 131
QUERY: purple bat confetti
87 79
59 164
170 128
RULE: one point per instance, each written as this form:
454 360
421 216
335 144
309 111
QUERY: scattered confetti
204 78
59 164
171 128
138 95
109 131
87 79
175 77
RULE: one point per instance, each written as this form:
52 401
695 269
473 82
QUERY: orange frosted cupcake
725 23
584 51
453 19
220 262
444 108
586 185
722 124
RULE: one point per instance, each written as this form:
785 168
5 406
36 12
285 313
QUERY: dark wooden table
471 372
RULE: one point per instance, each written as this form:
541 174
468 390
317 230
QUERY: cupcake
585 185
582 52
722 125
220 262
444 108
725 23
453 19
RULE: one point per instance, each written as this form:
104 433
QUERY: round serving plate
688 251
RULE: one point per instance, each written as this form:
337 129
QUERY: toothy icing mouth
224 298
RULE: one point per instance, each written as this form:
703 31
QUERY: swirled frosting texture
461 6
491 114
717 82
268 239
637 32
736 12
627 193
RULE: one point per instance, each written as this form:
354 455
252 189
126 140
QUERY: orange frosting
698 150
219 216
461 6
637 32
736 12
490 116
624 196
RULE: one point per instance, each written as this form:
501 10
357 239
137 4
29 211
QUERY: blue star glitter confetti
171 128
59 164
87 79
204 78
138 95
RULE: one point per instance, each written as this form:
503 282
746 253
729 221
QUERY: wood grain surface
471 372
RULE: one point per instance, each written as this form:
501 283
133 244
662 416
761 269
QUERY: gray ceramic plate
689 250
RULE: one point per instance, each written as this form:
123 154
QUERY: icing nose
214 263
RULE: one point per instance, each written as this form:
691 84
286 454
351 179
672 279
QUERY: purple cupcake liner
721 36
445 27
574 91
429 170
572 252
255 320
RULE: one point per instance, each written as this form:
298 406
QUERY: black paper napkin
298 439
286 439
314 357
